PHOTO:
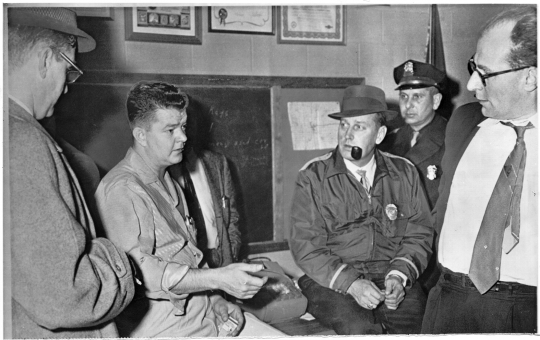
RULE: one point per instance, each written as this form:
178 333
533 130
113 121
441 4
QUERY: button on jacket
339 232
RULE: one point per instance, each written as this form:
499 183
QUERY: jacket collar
337 166
19 112
432 130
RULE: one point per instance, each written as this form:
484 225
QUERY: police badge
431 172
408 69
391 212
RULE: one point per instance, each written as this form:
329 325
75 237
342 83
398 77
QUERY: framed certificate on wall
241 19
180 25
320 25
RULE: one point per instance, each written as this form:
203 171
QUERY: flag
434 45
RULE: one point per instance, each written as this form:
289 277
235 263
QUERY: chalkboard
237 123
233 121
242 117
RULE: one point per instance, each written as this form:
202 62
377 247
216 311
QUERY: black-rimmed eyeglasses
73 73
483 76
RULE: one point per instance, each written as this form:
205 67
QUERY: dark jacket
65 282
339 233
428 150
224 200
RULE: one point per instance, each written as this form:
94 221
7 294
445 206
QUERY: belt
464 280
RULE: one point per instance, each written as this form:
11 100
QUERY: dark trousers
455 306
343 314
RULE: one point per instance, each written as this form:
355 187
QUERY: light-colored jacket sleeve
60 277
128 221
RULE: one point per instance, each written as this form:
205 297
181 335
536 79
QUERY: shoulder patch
316 159
391 155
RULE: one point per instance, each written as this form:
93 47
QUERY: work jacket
340 232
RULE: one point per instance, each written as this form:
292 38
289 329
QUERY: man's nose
182 137
408 103
349 134
475 82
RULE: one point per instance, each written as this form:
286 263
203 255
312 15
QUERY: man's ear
381 134
437 98
45 59
531 80
140 135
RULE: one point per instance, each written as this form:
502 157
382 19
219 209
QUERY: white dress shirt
472 186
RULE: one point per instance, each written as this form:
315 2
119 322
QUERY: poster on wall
164 24
321 25
311 128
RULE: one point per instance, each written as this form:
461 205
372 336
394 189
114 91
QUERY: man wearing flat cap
65 282
361 228
421 139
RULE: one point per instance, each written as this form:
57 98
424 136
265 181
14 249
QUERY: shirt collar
149 176
369 168
518 122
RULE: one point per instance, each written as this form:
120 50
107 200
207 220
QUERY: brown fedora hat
359 100
54 18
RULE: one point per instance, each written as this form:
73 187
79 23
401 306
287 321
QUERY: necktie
194 209
502 212
414 137
363 179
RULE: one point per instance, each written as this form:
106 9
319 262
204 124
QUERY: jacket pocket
353 244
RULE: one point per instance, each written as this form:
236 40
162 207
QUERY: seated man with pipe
361 228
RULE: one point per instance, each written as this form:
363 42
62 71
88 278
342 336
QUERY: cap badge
409 71
391 212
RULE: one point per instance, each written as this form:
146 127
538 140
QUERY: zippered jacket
340 232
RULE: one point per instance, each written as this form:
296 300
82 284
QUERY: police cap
413 74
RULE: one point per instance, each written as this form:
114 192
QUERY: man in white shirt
487 209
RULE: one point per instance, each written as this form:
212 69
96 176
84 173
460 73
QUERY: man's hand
366 293
395 293
224 309
235 280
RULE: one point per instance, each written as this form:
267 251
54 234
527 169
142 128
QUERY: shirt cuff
398 273
172 275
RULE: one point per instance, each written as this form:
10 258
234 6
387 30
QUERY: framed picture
320 25
182 25
94 12
242 19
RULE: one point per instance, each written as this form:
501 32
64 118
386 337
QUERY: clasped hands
369 296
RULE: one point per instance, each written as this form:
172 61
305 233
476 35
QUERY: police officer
421 139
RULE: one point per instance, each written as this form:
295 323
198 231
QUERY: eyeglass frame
76 69
473 68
